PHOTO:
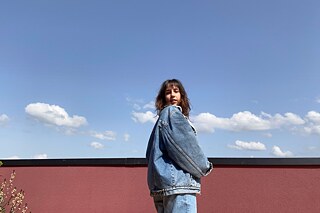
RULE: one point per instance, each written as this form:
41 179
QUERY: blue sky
78 78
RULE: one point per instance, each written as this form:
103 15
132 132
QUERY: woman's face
173 96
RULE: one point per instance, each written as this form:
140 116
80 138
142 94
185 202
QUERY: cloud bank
245 121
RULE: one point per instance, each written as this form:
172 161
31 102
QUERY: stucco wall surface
101 189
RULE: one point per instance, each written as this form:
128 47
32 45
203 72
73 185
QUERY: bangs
172 84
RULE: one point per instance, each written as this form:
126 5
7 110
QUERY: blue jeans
177 203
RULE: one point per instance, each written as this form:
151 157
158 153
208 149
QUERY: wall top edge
142 162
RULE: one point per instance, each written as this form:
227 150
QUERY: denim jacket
175 160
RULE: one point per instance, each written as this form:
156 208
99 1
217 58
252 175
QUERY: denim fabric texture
179 203
175 160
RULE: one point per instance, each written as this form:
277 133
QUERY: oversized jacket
175 160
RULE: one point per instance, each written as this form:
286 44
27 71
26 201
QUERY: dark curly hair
160 102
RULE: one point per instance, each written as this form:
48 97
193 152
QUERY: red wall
123 189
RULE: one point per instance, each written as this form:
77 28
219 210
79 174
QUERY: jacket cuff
209 170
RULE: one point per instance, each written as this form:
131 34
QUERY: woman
175 160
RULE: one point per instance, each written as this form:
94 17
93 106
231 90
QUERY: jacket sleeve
182 145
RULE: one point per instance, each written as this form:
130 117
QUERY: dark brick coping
142 162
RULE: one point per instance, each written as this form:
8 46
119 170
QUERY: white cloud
318 100
150 105
253 146
245 121
54 115
288 119
206 122
69 131
136 107
312 129
106 135
143 117
15 157
40 156
313 123
279 153
139 105
248 121
4 119
126 137
136 103
96 145
313 117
